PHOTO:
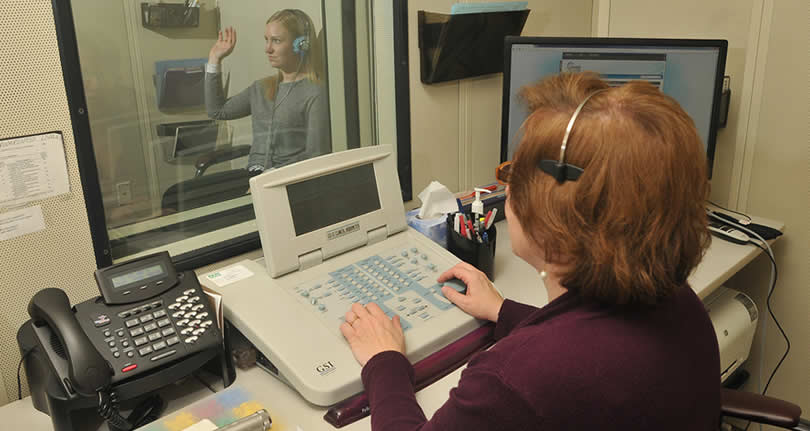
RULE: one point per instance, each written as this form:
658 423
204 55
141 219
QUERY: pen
460 207
492 218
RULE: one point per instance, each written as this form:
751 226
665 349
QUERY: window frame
88 168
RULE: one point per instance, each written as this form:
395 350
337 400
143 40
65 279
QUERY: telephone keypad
148 330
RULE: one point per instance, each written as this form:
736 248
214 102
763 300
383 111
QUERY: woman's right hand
223 46
481 301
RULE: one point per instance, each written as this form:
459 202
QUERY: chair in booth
762 409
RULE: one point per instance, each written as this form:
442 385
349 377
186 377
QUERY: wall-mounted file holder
161 15
464 45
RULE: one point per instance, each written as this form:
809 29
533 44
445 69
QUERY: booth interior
250 170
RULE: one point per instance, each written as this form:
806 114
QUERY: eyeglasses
503 171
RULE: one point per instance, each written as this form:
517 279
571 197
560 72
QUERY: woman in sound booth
614 226
289 110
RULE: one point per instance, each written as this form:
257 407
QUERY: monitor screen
691 71
329 199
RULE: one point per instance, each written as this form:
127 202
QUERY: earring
543 275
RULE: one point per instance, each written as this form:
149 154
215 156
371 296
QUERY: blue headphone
301 44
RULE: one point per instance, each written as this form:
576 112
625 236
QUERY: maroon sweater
571 365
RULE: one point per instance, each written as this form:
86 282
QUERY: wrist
496 312
213 60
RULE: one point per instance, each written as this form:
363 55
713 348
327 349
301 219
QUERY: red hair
633 227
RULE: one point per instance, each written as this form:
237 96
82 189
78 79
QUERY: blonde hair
298 24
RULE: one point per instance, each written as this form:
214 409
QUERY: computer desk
513 277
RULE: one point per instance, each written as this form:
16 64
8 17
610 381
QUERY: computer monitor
689 70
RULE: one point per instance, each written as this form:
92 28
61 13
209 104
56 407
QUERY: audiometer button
188 292
199 331
159 345
197 307
194 299
174 306
111 344
140 341
206 324
107 333
116 354
191 340
130 354
172 341
182 298
133 322
154 336
190 314
124 314
146 318
143 287
186 331
178 314
135 332
120 333
166 332
150 327
186 307
202 315
145 351
163 323
125 343
101 320
183 322
194 323
129 368
158 314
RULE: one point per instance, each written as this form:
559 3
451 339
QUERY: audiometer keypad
402 281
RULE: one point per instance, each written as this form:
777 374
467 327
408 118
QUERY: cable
767 248
747 217
782 331
19 371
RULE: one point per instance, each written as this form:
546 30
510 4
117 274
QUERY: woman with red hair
605 199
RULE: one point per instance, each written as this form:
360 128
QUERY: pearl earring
543 274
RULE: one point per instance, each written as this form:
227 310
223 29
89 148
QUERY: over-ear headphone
301 44
560 170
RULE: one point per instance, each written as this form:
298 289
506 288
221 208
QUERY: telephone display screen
136 276
332 198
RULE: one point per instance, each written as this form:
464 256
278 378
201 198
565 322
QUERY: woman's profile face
278 45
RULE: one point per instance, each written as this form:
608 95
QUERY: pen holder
481 256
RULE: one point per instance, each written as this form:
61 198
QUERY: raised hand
481 301
223 47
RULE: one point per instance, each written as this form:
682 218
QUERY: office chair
762 409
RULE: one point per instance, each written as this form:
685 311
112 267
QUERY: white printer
734 316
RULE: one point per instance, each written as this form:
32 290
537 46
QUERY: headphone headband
560 170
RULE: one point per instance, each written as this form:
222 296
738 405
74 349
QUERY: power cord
746 216
19 371
767 249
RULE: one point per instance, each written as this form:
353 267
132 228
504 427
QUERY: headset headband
560 170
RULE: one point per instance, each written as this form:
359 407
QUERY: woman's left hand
369 331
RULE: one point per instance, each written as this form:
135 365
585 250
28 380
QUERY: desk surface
513 277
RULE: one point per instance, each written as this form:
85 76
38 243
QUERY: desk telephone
150 326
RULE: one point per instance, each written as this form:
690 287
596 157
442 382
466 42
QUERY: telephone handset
147 320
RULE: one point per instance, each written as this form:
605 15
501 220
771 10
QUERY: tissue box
433 228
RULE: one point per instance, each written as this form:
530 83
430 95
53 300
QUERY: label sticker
229 275
343 231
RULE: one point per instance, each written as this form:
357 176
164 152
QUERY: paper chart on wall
32 168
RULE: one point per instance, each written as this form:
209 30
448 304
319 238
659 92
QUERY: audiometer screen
333 198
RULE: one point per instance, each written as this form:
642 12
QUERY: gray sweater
297 130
